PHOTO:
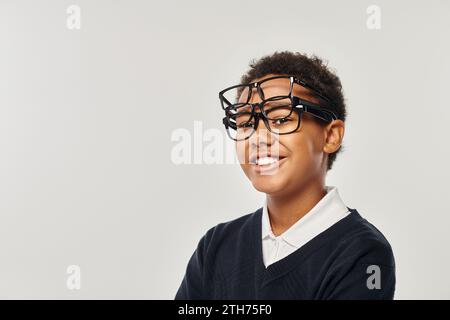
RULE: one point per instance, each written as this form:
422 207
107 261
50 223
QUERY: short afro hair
313 70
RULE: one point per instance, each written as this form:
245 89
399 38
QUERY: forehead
276 87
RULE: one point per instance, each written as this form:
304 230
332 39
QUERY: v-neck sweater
350 260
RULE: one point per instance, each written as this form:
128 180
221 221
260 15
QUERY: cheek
242 151
243 155
306 153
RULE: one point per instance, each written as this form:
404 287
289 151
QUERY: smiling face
282 164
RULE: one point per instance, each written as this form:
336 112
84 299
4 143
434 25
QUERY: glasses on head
273 88
280 110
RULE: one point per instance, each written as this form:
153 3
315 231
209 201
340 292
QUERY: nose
262 136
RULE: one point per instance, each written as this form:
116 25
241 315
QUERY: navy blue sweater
350 260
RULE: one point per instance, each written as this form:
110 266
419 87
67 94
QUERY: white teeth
265 161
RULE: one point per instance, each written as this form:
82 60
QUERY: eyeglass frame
257 85
298 105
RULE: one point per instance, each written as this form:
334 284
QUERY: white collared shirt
329 210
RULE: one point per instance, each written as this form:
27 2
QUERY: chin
269 184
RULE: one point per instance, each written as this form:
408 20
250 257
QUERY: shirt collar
325 213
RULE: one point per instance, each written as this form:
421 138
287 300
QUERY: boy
304 243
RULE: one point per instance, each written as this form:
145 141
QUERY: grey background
86 176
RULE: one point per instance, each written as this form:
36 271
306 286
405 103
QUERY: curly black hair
312 69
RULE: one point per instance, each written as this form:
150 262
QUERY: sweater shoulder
366 240
365 231
243 222
237 228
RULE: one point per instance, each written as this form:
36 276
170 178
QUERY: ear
333 136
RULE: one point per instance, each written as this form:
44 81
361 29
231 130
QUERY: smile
266 161
266 165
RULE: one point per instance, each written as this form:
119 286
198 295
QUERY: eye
247 124
281 121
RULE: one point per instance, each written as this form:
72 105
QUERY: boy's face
301 155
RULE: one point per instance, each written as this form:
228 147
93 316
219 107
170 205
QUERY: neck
286 210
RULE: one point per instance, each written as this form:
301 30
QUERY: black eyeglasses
282 117
281 112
